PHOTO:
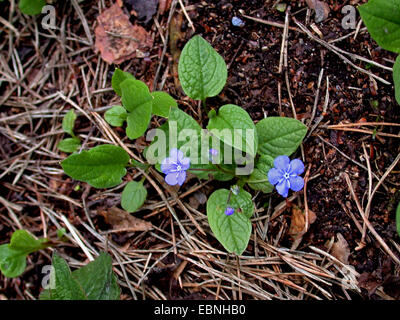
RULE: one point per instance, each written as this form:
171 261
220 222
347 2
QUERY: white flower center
286 175
178 168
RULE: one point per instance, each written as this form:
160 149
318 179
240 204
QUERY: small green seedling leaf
69 122
13 254
202 71
234 127
31 7
233 231
69 145
135 94
118 77
382 19
279 136
116 116
101 167
258 179
396 78
162 103
133 196
95 281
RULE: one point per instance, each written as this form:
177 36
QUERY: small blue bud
237 22
229 211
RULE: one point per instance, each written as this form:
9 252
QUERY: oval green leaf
279 136
202 71
116 116
382 19
133 196
135 94
101 167
162 103
69 145
234 127
118 77
233 231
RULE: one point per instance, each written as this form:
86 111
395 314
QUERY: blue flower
229 211
285 175
175 167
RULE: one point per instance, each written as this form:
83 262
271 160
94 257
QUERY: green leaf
25 243
133 196
116 116
98 280
65 286
258 179
101 167
95 281
69 122
138 121
162 103
279 136
31 7
234 127
69 145
202 71
398 219
118 77
396 78
12 262
233 231
135 94
13 255
382 19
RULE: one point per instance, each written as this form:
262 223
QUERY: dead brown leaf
321 9
121 221
298 222
117 39
340 249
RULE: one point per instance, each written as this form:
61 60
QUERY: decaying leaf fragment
117 39
123 221
321 9
297 225
340 249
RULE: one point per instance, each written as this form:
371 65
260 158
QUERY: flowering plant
232 147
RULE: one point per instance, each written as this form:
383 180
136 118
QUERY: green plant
95 281
382 19
231 147
72 144
13 255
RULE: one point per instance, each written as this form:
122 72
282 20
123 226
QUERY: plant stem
203 102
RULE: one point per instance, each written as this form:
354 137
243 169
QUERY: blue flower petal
185 163
296 167
168 165
176 154
283 188
274 175
181 177
172 178
296 183
282 162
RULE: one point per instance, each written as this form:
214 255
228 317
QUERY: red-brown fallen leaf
117 39
340 249
124 221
